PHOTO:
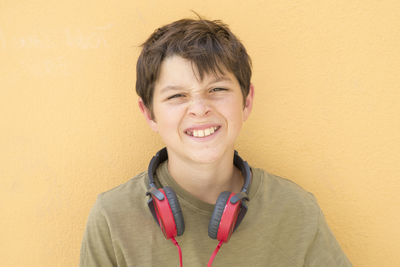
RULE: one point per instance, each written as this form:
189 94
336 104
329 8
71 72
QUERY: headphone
228 213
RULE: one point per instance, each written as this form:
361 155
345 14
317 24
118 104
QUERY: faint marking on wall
76 38
53 61
36 40
46 67
86 40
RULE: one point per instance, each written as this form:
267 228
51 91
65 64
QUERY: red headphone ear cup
176 209
164 216
219 208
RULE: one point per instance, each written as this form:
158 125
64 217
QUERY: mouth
199 133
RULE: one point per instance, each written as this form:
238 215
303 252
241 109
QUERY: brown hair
209 45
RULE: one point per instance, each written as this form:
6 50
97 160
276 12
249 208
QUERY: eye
218 89
175 96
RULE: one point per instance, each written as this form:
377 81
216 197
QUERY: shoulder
278 186
296 224
287 214
125 196
286 200
284 190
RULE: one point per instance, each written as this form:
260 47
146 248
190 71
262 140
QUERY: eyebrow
179 87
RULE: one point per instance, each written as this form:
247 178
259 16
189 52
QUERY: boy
193 79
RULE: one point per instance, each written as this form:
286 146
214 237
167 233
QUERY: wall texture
326 113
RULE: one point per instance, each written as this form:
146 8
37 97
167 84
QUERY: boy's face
198 121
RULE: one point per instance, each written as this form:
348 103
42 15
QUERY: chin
201 160
207 156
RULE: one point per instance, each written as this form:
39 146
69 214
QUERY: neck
206 181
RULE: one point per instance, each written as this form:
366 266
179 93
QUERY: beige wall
326 113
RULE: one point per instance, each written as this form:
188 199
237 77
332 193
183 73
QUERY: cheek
168 118
236 118
233 110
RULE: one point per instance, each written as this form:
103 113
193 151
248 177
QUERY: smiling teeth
203 133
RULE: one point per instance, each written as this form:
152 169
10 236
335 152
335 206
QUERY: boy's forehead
176 71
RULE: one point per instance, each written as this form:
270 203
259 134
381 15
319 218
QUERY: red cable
214 253
211 258
179 249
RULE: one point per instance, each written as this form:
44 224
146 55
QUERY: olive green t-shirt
284 226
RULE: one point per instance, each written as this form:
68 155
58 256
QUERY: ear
147 115
248 105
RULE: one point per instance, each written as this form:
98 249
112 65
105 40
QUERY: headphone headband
162 156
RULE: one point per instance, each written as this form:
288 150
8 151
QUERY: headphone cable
179 249
211 258
214 253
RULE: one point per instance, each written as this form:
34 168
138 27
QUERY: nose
199 107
